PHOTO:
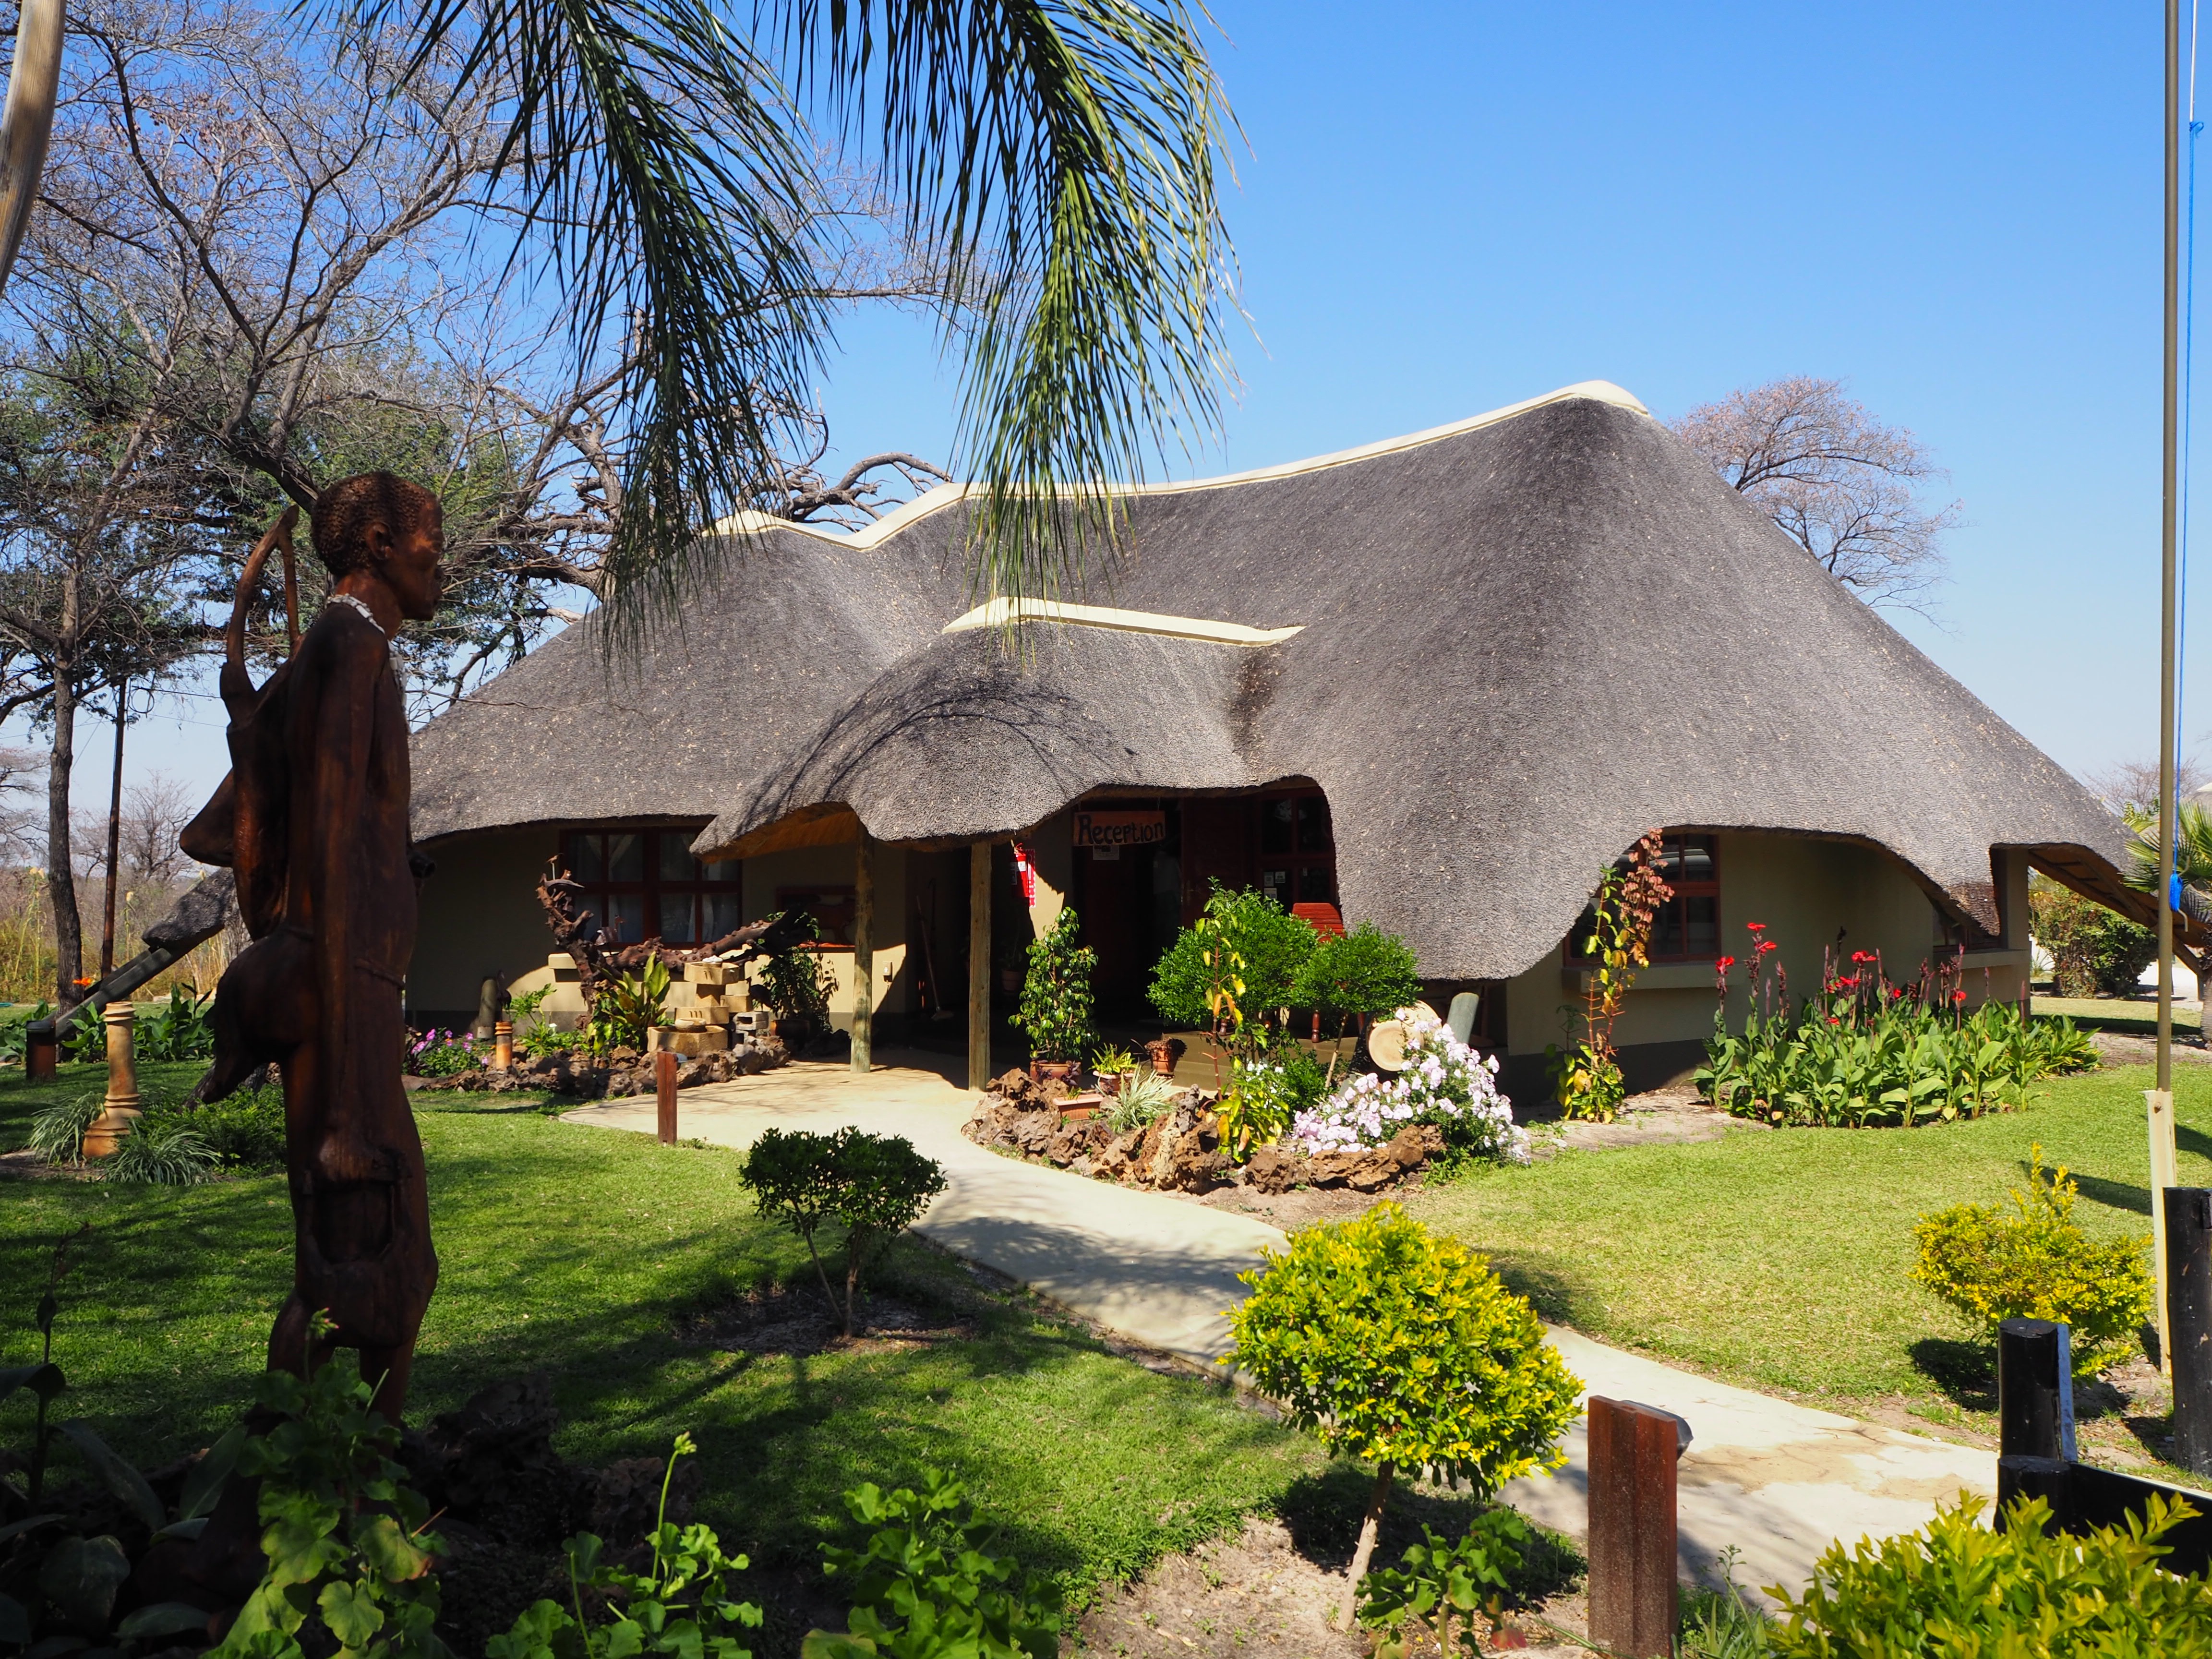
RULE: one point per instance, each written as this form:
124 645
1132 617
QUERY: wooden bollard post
503 1045
41 1046
2035 1389
2189 1319
664 1088
1633 1605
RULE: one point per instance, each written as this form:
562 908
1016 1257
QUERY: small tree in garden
1403 1349
1056 999
1587 1078
2037 1264
1246 938
875 1187
2093 952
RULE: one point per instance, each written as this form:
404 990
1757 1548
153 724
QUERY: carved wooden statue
314 819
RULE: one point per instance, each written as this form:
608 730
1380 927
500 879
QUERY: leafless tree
1843 484
2127 785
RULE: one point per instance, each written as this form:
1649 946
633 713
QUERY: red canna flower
1766 944
1725 963
1958 996
1754 927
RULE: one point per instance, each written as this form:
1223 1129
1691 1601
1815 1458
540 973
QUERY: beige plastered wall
480 916
1811 893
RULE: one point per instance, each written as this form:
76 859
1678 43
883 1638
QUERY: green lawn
582 1252
2117 1013
1778 1259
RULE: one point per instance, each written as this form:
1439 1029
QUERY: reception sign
1104 831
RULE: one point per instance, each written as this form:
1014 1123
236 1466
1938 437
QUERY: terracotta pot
1052 1070
1109 1084
1165 1052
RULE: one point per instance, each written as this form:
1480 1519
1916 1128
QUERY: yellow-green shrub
2037 1264
1957 1589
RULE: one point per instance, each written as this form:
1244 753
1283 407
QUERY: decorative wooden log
1632 1595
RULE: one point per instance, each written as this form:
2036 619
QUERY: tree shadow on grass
1965 1371
2113 1194
1555 1291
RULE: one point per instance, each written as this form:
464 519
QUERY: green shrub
178 1030
1139 1103
1403 1349
630 1006
680 1606
1991 1267
534 1034
246 1129
1271 948
1442 1585
923 1586
1724 1624
794 985
84 1036
1955 1588
874 1187
2093 952
1056 998
1365 971
442 1054
1266 1096
163 1150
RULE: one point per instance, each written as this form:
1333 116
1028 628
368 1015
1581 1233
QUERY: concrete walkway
1778 1481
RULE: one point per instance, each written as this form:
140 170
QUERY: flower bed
1866 1052
1444 1084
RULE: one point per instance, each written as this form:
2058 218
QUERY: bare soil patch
799 1320
1259 1592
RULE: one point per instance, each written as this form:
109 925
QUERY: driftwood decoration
597 960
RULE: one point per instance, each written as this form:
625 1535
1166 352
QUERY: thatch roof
1523 640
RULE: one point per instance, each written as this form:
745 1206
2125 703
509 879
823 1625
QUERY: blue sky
1447 207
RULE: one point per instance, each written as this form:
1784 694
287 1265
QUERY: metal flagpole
2161 1099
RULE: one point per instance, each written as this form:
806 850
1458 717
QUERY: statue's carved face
408 561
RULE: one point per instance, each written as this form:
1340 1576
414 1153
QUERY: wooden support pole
41 1046
503 1045
2035 1389
2164 1174
864 953
664 1089
979 964
1633 1607
2189 1316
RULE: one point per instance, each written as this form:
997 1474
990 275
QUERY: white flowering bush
1444 1083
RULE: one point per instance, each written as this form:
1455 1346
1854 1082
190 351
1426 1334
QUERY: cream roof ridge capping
946 494
999 613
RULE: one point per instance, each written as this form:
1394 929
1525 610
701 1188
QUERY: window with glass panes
642 883
1298 849
1688 926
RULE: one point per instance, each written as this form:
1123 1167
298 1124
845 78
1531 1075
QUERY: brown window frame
651 890
1709 888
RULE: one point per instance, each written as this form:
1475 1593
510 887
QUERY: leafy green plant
874 1187
1245 947
1868 1053
1958 1588
1402 1348
346 1537
1586 1078
923 1586
1113 1060
177 1029
1723 1624
163 1150
680 1606
2093 952
1056 998
534 1034
2037 1264
631 1007
1443 1587
57 1133
1364 972
443 1054
1265 1095
1148 1097
83 1035
244 1128
15 1033
795 985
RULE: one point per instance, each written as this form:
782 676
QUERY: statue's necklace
368 616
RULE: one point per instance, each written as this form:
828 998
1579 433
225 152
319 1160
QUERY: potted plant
1056 1002
1164 1053
1114 1067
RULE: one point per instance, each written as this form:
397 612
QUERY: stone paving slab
1778 1481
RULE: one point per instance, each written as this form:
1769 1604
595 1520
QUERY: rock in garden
1275 1169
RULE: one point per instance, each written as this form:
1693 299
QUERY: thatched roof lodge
1439 681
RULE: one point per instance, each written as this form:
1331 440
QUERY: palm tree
2192 854
1057 155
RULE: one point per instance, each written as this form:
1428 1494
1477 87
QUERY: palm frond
1058 155
1061 154
2192 848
